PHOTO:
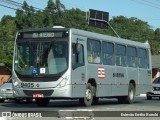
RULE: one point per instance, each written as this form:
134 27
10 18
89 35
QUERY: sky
146 10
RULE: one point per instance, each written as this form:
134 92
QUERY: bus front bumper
43 92
153 94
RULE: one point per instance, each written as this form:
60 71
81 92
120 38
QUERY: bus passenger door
78 71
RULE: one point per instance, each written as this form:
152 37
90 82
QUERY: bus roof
98 36
92 35
43 29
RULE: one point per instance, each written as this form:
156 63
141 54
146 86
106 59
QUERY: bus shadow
65 104
58 104
75 103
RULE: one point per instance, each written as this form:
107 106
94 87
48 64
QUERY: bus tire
131 94
42 102
87 100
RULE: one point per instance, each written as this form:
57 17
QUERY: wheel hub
131 95
88 94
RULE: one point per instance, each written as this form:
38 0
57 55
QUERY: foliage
55 14
7 34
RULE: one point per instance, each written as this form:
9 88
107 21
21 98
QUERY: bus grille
44 92
36 79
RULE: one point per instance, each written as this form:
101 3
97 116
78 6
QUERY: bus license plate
38 96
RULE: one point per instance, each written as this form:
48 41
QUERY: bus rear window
142 58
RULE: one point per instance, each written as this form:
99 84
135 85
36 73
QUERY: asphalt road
71 109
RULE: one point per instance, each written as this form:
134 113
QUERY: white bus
66 63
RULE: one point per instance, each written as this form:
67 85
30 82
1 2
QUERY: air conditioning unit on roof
58 27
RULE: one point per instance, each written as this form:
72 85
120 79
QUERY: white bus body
76 64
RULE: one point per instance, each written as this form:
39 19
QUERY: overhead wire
150 4
156 4
14 5
22 4
8 7
146 3
17 5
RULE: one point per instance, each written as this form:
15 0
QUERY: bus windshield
44 57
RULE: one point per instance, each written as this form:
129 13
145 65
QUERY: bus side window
94 51
108 53
120 55
142 58
131 56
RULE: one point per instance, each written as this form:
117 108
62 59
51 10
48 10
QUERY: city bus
68 63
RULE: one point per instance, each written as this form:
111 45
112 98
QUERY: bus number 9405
27 85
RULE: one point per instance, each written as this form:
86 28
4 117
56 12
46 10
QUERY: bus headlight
63 82
15 83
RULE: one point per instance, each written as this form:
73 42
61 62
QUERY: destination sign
45 34
42 34
34 35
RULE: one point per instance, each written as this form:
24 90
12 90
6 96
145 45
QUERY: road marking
3 118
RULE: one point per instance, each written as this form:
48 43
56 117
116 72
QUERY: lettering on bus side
118 75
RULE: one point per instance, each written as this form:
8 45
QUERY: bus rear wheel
87 100
131 94
42 102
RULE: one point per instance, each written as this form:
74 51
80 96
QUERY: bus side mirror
77 48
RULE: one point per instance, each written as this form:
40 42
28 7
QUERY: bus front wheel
42 102
87 100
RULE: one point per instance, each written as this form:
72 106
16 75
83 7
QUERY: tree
53 13
49 14
59 7
56 14
25 17
157 34
19 19
8 30
132 28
